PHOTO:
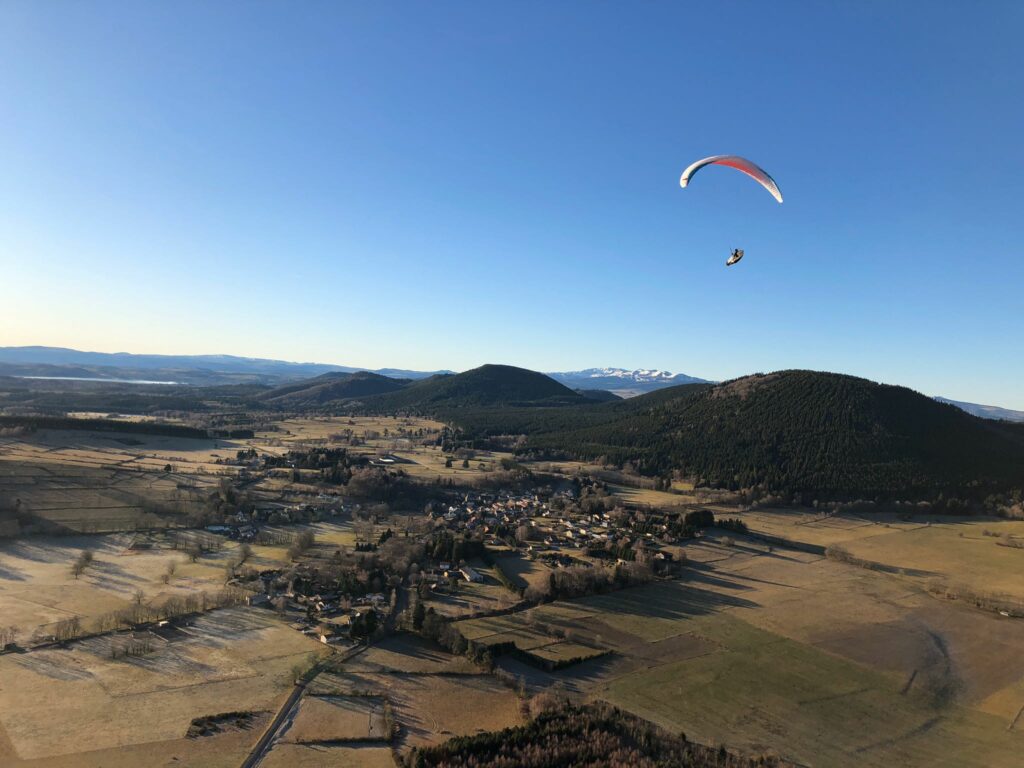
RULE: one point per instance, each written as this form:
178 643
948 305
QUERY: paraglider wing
740 164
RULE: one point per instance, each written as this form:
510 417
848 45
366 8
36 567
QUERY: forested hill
817 434
330 387
486 386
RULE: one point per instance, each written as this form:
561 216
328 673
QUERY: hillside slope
792 431
486 386
331 387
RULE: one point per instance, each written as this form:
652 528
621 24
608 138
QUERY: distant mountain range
197 370
623 382
216 370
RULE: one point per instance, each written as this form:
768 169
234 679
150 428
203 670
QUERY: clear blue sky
438 185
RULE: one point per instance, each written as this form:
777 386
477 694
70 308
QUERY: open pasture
285 755
428 462
433 695
337 718
327 429
522 571
410 654
968 551
38 589
236 659
89 482
764 693
777 649
223 750
972 553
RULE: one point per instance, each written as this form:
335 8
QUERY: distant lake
95 378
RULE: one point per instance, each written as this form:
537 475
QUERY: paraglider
754 171
740 164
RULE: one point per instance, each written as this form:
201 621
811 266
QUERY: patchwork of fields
239 657
790 653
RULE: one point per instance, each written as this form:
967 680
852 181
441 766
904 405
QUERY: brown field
224 750
522 571
92 482
236 659
285 755
37 588
410 654
337 718
963 551
433 695
88 482
820 661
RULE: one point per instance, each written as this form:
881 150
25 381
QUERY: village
455 541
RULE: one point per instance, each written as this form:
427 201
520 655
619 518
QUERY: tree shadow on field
702 573
679 600
228 625
112 577
414 648
57 665
9 573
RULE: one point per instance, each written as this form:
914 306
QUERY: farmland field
433 695
38 589
787 651
285 755
968 551
240 656
338 718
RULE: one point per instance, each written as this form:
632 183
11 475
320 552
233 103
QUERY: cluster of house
326 615
551 532
445 572
245 525
489 513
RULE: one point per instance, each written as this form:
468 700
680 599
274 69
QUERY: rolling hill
489 386
600 395
803 432
331 387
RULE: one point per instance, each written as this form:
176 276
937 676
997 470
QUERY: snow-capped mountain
985 411
622 381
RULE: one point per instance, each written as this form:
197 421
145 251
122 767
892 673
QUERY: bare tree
68 629
8 636
83 561
244 553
